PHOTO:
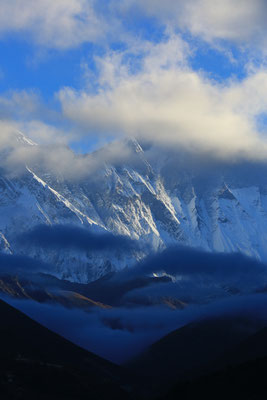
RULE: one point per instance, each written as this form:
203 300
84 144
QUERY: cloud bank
197 275
143 87
16 264
169 103
120 334
72 237
56 158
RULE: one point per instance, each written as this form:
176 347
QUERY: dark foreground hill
219 358
194 347
246 381
204 348
38 364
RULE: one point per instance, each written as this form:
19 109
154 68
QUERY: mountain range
78 255
216 205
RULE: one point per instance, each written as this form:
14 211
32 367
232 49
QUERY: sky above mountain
187 74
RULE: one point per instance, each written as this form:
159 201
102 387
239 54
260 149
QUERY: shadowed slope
246 381
191 350
36 363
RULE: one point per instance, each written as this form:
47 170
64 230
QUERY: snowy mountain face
215 207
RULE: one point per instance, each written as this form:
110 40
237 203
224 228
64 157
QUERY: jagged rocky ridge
214 206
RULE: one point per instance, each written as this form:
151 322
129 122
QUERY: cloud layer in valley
119 333
122 333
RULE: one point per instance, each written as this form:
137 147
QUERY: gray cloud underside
67 236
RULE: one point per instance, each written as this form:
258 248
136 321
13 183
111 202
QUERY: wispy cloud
69 23
60 24
241 21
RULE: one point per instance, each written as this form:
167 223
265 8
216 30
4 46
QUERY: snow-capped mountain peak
159 205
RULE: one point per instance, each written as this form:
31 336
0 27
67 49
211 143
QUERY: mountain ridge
158 205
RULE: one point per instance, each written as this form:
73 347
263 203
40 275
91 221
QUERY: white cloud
52 23
20 104
163 99
26 111
54 156
169 103
63 24
241 21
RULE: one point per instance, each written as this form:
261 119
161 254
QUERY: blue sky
89 71
22 69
